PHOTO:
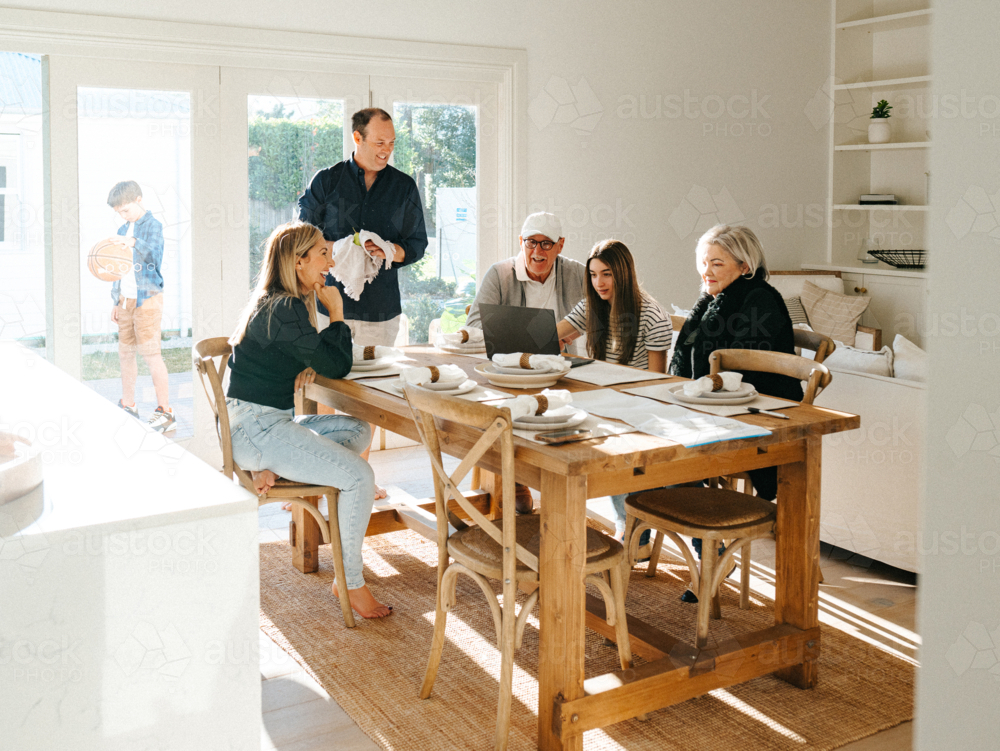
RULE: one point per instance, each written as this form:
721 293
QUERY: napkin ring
717 382
543 404
369 352
525 361
435 373
465 336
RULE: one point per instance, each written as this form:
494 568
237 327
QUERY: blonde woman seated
623 324
277 350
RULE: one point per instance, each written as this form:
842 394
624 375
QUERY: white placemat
599 426
661 392
478 394
608 374
393 370
685 426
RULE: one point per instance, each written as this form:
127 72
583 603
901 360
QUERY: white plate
462 388
569 421
743 390
678 393
527 381
522 371
552 416
446 385
458 349
377 364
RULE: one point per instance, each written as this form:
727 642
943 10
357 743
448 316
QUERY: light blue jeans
318 449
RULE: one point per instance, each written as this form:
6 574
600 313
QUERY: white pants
365 333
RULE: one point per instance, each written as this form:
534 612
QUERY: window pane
290 140
436 146
22 239
135 152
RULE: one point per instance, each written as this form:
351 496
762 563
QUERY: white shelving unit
881 50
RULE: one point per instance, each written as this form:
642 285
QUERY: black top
748 314
264 365
338 203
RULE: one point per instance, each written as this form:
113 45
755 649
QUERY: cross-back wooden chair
286 491
819 343
717 514
505 549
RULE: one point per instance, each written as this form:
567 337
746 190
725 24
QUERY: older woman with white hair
737 309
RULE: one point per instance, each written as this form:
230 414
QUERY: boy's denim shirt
147 255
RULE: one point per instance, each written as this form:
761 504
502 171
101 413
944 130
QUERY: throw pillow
910 360
854 360
796 311
835 315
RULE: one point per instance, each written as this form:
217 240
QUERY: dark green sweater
264 365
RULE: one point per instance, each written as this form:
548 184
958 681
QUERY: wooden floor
298 715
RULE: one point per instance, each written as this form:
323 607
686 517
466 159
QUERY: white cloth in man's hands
523 406
445 374
354 266
376 351
538 363
705 385
471 337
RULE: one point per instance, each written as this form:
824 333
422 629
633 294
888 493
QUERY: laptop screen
509 328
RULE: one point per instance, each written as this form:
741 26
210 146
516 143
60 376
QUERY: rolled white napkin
437 374
538 363
354 267
705 385
373 352
466 335
522 406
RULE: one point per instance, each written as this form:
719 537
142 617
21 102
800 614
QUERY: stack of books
878 199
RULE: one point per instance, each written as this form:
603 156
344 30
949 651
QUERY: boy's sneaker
162 421
131 410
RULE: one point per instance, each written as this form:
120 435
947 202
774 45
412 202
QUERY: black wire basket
901 259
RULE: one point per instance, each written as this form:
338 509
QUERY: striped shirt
655 331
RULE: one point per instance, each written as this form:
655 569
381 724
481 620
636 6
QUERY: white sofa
872 476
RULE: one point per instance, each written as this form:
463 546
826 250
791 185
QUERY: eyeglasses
545 245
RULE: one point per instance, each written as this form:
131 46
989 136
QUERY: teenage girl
623 324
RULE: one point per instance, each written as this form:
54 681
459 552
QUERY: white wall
623 171
958 691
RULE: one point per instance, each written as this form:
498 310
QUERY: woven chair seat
476 543
710 508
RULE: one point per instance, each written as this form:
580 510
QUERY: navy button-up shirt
338 203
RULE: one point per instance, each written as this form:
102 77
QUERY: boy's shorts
140 327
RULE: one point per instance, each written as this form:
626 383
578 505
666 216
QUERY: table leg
305 535
490 482
796 600
562 598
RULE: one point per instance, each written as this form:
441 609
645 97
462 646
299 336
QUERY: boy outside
138 302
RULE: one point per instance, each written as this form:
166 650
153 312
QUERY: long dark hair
619 320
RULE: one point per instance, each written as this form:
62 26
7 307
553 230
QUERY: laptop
509 328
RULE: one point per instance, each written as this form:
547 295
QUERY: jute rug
375 670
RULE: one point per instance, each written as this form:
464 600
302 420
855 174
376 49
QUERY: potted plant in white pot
878 128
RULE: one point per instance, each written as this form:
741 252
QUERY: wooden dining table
567 475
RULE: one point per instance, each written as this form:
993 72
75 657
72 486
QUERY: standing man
366 193
535 278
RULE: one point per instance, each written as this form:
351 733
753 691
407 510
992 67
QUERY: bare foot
263 481
365 603
380 493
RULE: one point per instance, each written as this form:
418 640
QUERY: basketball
109 261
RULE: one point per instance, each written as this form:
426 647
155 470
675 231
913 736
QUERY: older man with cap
537 277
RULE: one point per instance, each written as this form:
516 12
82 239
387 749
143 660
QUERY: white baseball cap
542 223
